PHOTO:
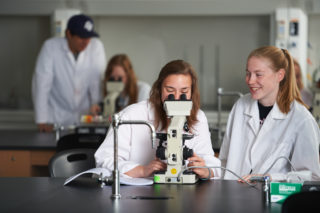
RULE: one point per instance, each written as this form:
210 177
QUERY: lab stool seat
71 162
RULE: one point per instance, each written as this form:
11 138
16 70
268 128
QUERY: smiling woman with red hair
270 122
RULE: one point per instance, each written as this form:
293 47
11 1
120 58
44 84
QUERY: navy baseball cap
82 26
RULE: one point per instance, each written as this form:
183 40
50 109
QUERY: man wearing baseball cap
67 78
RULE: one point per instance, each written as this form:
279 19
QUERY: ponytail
288 89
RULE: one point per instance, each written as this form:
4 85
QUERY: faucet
221 93
58 128
116 122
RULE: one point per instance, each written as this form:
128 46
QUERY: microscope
112 102
92 126
171 145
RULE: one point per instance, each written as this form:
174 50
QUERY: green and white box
279 191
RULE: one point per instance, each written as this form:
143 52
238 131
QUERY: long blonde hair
174 68
281 59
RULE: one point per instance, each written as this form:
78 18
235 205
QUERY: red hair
131 87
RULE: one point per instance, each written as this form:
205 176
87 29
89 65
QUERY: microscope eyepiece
183 97
170 97
116 80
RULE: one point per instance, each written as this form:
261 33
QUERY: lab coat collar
253 110
67 51
65 45
70 55
276 113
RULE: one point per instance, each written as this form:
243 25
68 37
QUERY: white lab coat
135 146
143 92
64 88
246 147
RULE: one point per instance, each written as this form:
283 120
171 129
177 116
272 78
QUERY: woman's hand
195 160
95 109
247 177
146 171
153 166
44 127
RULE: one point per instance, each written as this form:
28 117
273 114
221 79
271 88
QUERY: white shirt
247 147
135 147
64 88
143 92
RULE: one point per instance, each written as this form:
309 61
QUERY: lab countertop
85 195
26 139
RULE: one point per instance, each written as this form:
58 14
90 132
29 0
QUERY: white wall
217 47
215 36
21 39
149 7
211 44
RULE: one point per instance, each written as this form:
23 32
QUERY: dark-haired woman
136 156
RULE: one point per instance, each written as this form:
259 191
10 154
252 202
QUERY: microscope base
184 179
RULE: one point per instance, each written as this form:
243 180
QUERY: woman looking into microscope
120 68
136 156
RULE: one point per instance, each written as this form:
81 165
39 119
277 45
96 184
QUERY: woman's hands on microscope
147 170
195 160
157 165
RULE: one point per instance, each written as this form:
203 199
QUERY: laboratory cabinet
25 153
24 163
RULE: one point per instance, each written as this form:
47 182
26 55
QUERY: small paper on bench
124 179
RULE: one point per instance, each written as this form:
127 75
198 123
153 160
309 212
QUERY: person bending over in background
270 122
67 78
136 156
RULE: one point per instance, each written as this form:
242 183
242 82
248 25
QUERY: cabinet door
40 161
15 163
41 157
